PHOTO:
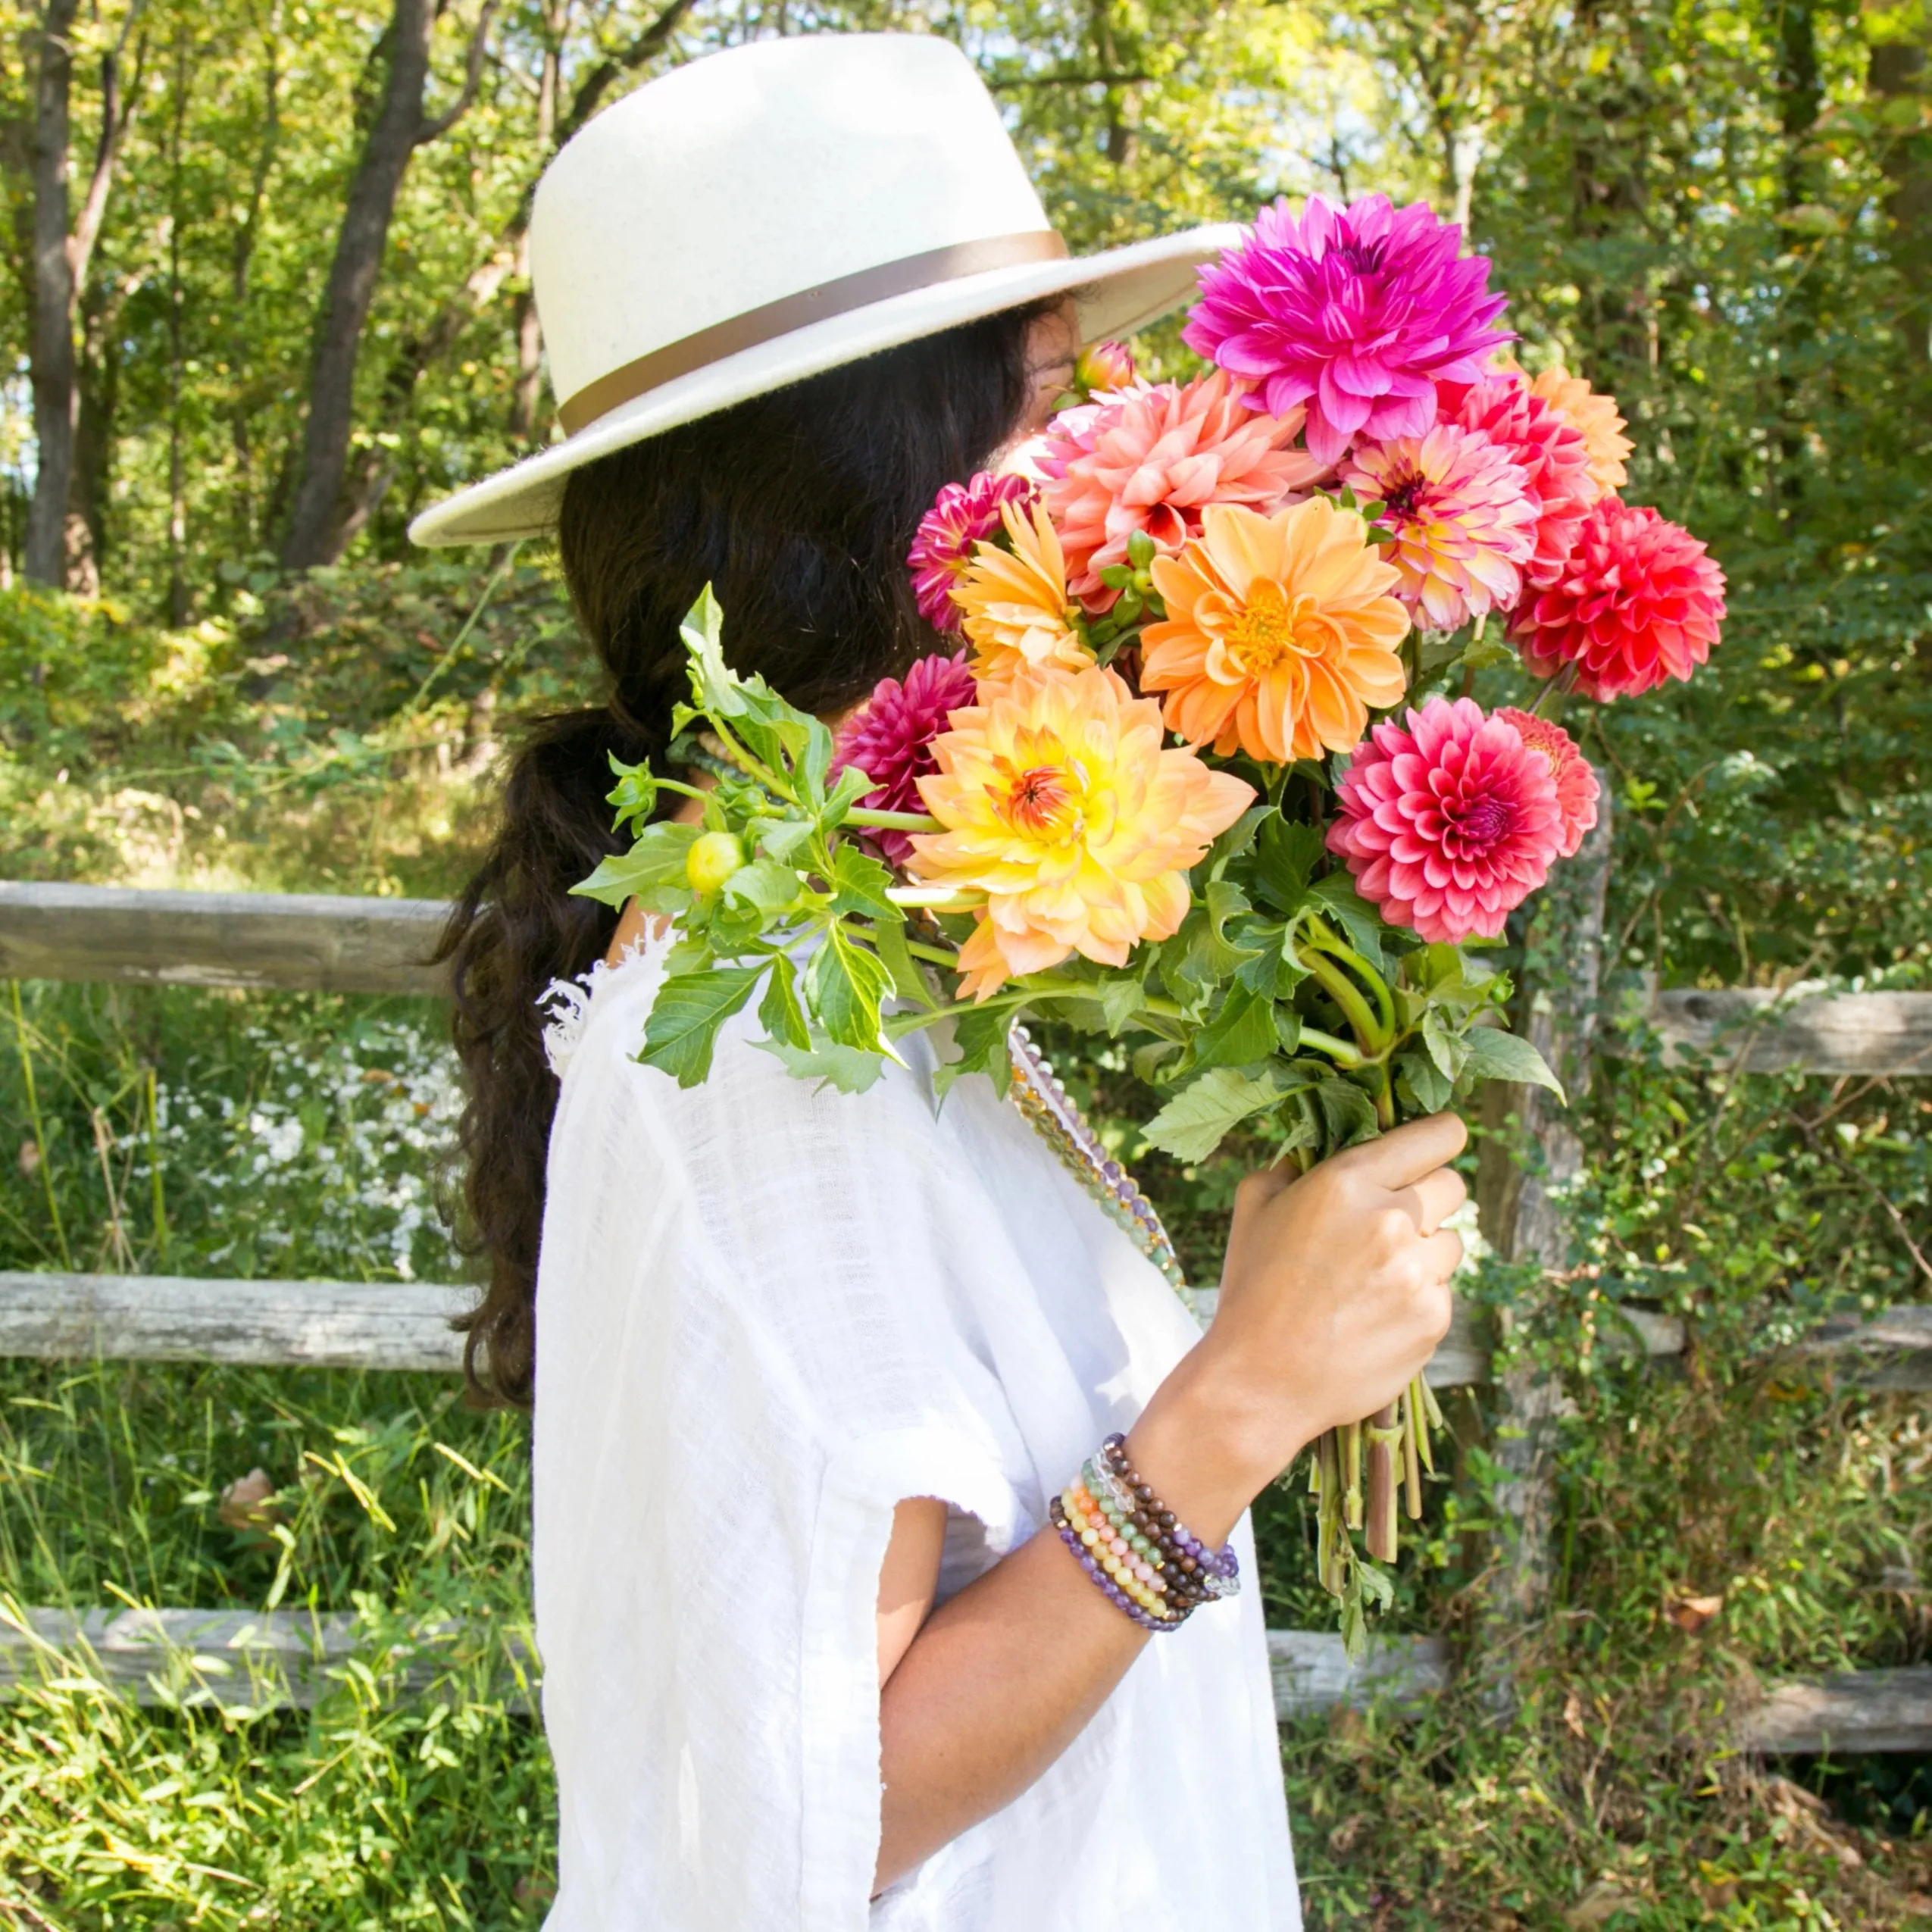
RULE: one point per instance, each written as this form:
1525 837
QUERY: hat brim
1116 293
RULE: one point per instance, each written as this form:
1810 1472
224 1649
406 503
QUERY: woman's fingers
1402 1156
1433 1199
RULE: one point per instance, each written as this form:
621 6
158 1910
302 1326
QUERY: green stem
893 821
1338 949
1347 995
744 760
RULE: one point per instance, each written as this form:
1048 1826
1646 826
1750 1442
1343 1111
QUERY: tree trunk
315 515
50 353
97 388
1897 78
1521 1207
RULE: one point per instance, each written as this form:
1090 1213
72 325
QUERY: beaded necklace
1042 1101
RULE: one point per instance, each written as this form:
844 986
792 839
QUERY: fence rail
282 1658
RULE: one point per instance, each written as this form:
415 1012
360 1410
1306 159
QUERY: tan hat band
790 312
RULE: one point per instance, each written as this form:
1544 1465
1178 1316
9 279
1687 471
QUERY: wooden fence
240 1658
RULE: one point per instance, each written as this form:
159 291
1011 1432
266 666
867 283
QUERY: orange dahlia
1595 418
1013 603
1281 633
1061 806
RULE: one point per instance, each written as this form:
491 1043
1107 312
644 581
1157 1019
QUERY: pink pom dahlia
1576 788
1553 456
961 514
1464 520
1449 822
1640 600
890 738
1149 460
1358 312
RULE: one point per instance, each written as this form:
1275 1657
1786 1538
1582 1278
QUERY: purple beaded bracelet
1149 1545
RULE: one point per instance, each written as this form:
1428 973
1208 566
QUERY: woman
824 1642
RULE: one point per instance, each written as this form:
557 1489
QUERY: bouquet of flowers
1205 773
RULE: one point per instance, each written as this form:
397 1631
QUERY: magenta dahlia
1552 455
1358 312
1640 600
1464 520
890 738
1576 788
1449 821
961 514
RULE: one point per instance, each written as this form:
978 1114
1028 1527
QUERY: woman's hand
1335 1291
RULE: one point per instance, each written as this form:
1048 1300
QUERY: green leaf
682 1031
1427 1085
1120 999
712 683
655 862
979 1039
1236 841
1347 1113
1496 1055
780 838
1337 894
1445 1048
848 985
850 785
1241 1033
860 883
889 941
766 884
1287 1028
779 1013
847 1068
1286 855
1194 1123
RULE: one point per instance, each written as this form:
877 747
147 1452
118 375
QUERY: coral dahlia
1014 604
1576 788
1449 821
1358 312
961 514
1149 459
1596 420
1061 805
1280 632
1640 600
1464 520
890 738
1550 451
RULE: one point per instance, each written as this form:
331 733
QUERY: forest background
266 297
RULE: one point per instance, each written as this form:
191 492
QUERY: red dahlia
1640 599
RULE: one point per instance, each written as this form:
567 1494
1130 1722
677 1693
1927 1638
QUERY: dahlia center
1403 499
1272 625
1480 827
1041 801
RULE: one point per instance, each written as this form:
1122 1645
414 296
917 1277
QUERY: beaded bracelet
1143 1559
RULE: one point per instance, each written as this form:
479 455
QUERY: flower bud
1104 366
712 859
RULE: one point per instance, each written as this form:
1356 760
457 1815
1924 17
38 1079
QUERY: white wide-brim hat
773 211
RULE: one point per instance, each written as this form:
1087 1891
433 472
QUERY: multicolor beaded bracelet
1146 1562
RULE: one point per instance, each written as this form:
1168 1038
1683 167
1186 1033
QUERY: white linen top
765 1315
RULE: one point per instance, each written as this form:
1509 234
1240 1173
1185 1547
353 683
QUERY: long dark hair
798 507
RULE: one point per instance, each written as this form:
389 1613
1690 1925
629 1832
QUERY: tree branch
596 83
473 67
116 119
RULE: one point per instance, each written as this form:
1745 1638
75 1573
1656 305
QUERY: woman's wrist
1210 1446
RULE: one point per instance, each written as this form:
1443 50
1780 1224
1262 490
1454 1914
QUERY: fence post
1522 1207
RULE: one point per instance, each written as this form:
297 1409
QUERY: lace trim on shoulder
566 1003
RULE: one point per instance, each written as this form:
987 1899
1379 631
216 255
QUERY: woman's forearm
1002 1679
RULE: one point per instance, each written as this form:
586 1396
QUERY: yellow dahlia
1014 604
1595 418
1061 806
1281 633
